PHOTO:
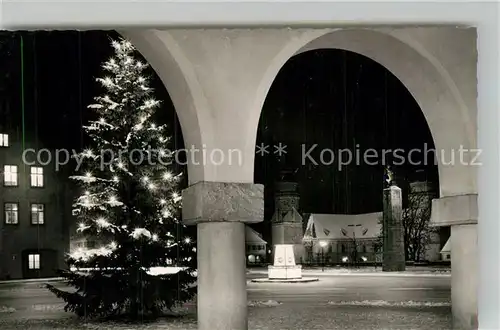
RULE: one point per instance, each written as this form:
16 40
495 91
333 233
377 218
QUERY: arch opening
343 118
429 85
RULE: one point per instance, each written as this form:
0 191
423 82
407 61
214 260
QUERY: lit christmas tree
130 206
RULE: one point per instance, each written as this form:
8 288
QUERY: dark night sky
334 98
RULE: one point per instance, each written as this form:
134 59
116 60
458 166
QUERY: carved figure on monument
388 177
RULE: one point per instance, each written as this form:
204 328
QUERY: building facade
352 238
255 247
34 211
342 238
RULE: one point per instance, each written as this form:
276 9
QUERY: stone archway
218 80
447 97
176 73
451 120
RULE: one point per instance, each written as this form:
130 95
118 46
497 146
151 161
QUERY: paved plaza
336 301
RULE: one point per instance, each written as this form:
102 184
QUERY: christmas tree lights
130 205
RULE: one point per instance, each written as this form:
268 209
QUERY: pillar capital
454 210
223 202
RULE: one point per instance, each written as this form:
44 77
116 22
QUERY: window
364 248
36 176
37 214
10 175
343 248
4 140
11 213
34 261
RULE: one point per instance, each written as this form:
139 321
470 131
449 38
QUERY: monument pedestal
284 268
284 272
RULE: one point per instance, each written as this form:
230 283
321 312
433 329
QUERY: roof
338 226
447 247
253 237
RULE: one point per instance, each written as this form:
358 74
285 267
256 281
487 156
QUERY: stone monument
284 267
393 239
287 223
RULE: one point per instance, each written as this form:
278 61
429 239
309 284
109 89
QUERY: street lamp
323 244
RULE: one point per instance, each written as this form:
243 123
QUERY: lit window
36 176
4 140
37 214
33 261
10 175
11 213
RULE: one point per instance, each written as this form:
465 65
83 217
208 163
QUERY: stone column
220 211
461 212
394 249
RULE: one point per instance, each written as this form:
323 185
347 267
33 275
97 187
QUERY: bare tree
417 231
416 225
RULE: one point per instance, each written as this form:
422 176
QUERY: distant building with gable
353 237
256 246
347 236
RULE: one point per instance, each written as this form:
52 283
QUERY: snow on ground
366 315
372 271
383 303
282 317
268 303
5 309
48 307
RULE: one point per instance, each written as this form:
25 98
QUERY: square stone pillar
394 247
461 212
220 211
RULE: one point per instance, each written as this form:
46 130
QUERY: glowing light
115 178
81 225
120 164
187 240
88 153
162 152
154 237
112 199
345 259
151 186
88 175
167 175
87 192
113 245
153 126
102 120
166 214
145 178
101 222
162 201
175 195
